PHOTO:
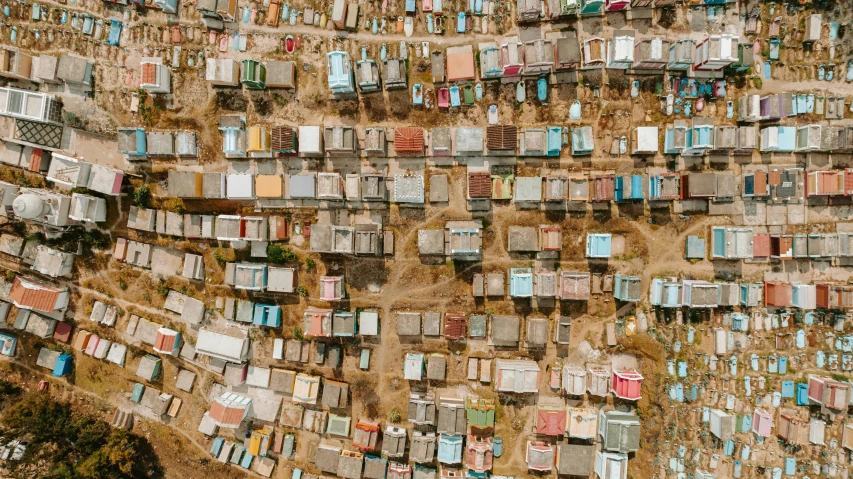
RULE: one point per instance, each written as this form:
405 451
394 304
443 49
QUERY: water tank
28 206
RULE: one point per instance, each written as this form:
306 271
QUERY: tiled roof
409 139
479 184
501 137
31 294
149 73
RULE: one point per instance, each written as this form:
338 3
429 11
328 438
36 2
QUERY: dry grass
653 369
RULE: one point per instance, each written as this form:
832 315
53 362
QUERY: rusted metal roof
502 137
479 184
604 188
408 139
454 326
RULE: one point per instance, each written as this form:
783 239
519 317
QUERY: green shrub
142 196
277 254
67 444
297 333
302 291
219 257
310 265
394 415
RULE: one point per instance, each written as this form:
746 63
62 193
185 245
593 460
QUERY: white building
222 72
52 262
72 172
87 208
41 206
716 52
222 346
644 140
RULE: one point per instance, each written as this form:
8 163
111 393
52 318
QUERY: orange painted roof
760 179
460 66
775 178
268 186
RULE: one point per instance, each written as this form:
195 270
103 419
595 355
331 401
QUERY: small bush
142 196
277 254
394 415
122 284
302 291
94 239
297 333
163 289
176 206
310 265
35 237
219 257
10 275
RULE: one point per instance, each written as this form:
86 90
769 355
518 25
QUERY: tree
116 458
68 445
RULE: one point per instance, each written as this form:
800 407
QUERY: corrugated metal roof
454 326
604 188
